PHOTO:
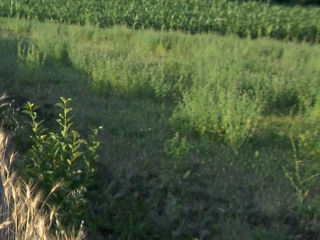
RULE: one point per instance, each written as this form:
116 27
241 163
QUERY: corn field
246 19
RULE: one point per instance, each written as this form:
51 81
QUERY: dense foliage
205 136
252 18
61 160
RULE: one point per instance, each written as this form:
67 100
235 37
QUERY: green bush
61 159
225 116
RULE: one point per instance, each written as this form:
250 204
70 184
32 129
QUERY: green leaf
69 162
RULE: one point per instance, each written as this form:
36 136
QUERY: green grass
245 18
197 128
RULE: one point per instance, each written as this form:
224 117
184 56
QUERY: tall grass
226 116
24 210
221 86
175 107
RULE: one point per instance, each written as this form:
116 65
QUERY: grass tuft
24 215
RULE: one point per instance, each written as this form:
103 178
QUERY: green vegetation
247 19
24 211
205 136
304 2
62 158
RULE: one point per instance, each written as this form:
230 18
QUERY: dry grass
24 215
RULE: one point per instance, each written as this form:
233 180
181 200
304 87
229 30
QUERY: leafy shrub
61 157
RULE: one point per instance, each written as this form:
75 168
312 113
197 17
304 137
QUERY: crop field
160 122
245 18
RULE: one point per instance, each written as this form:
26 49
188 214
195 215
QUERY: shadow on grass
135 127
137 187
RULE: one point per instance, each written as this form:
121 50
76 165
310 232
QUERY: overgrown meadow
202 136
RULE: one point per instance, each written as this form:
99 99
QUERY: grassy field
205 136
245 18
